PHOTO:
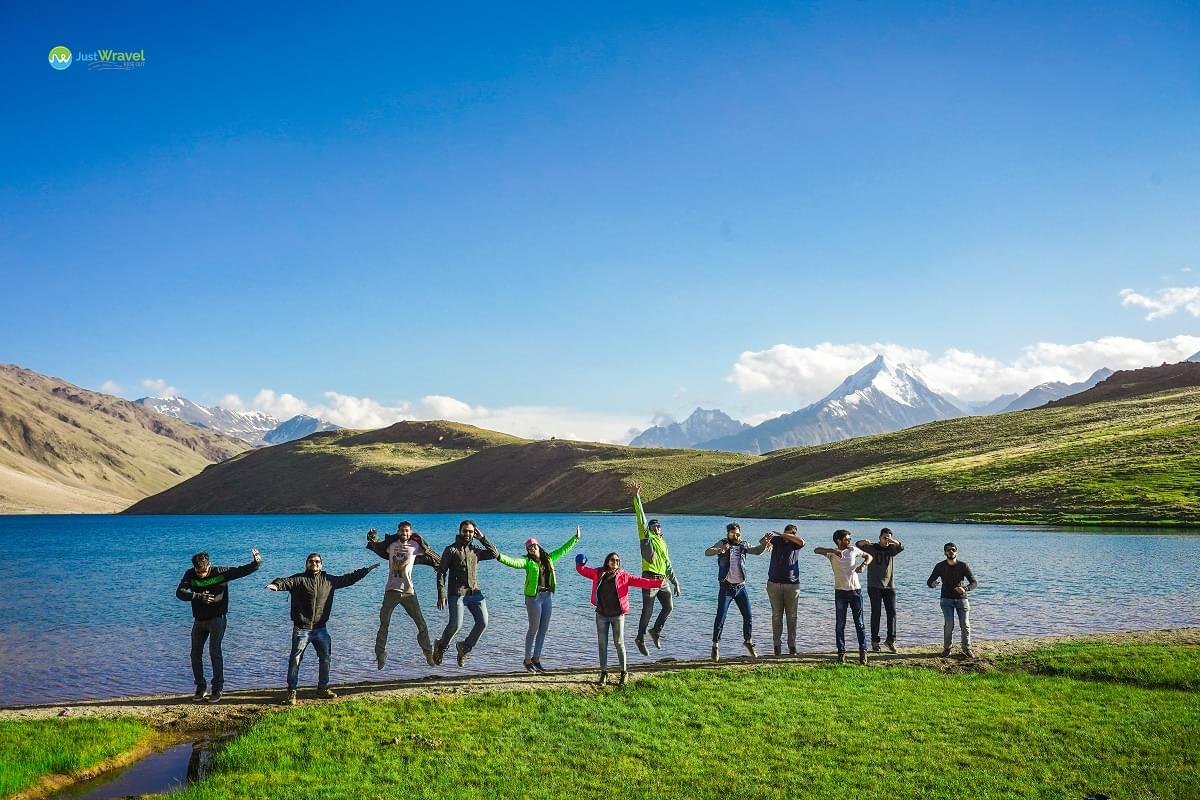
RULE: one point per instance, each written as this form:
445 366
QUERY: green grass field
30 749
771 732
1156 666
1134 461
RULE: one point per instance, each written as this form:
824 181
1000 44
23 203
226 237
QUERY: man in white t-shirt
403 550
846 563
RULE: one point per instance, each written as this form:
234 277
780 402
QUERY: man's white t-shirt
844 576
400 564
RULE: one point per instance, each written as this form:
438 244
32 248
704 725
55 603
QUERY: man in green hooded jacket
656 563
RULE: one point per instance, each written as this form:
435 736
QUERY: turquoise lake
88 606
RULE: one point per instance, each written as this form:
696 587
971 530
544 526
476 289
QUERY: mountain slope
64 449
701 426
1134 460
249 426
433 466
879 398
1046 392
1131 382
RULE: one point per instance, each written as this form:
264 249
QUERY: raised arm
824 551
790 537
244 570
376 545
566 546
639 512
488 551
756 550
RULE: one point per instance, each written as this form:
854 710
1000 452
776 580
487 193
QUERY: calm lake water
88 607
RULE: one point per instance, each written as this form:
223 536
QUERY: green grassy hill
1134 460
64 449
434 466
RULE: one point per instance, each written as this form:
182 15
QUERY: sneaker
463 653
841 656
946 653
751 650
429 658
198 697
380 659
603 679
215 697
967 653
621 680
889 646
778 651
537 666
438 652
654 637
862 657
716 652
290 700
791 651
641 646
326 693
529 665
874 647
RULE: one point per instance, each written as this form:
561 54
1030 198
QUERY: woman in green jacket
539 593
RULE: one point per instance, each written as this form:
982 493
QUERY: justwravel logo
61 58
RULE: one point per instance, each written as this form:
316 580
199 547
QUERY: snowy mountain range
880 398
1045 392
702 425
253 427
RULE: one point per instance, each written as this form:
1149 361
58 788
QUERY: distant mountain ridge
1134 382
880 398
701 426
65 449
253 427
1045 392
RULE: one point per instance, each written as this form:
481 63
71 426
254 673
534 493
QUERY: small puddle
158 773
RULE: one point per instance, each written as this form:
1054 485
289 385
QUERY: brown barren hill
1131 382
64 449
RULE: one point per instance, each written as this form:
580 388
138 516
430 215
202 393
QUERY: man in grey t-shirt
881 588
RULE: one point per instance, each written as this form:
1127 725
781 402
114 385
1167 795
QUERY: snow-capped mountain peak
249 426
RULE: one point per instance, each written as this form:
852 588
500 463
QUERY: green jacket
532 566
655 557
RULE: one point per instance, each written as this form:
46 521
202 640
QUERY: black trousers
212 630
886 598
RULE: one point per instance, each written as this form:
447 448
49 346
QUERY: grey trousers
409 602
784 599
617 624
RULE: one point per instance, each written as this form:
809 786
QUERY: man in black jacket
312 600
460 561
204 587
881 584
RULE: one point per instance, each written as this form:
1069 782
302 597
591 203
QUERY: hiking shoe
326 693
751 650
429 658
946 653
874 647
889 646
862 657
529 665
654 638
290 700
791 651
380 659
967 653
621 680
716 652
537 666
641 646
215 697
438 652
603 679
841 656
198 697
463 653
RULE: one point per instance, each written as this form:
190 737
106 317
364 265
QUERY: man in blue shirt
783 584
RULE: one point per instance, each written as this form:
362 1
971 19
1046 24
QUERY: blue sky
581 218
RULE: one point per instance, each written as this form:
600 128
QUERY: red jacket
624 581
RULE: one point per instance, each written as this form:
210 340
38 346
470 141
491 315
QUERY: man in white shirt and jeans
402 550
847 589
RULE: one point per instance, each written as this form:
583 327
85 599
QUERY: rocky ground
178 714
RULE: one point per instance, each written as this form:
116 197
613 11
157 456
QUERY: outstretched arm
824 551
644 583
350 578
244 570
716 549
566 546
639 512
509 561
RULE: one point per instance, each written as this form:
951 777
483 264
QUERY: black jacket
191 584
312 595
460 561
425 556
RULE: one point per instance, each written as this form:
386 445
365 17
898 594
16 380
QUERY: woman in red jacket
610 596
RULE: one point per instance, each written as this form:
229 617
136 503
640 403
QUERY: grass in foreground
773 732
30 749
1150 665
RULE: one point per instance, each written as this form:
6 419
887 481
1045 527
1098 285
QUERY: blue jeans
212 631
853 599
538 608
474 603
321 643
736 594
950 607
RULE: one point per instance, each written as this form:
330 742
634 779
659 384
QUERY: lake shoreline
177 713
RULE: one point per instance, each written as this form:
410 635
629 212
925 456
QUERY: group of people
312 591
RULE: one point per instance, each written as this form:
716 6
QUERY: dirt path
177 713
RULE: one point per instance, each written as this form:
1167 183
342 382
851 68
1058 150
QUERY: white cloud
159 387
232 402
111 387
1166 302
809 373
